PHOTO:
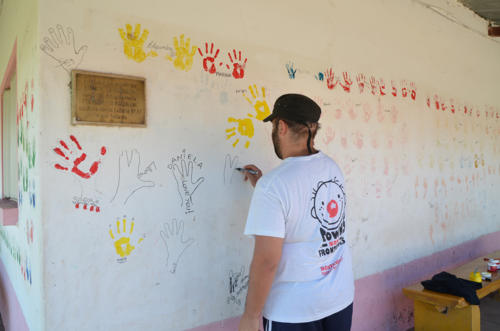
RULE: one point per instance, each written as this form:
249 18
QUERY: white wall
392 149
21 245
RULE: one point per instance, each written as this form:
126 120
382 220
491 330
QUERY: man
301 273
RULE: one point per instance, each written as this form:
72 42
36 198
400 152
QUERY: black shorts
340 321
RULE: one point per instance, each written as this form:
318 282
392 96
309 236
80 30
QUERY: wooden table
434 311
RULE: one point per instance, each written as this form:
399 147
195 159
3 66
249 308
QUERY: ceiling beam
494 31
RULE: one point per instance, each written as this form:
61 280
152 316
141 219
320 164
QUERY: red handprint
394 89
76 157
347 82
331 81
404 89
208 59
373 85
428 102
367 110
452 106
436 101
238 67
443 106
413 92
361 82
381 86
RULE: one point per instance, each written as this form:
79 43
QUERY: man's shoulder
291 170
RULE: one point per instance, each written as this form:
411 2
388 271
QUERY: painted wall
410 111
21 245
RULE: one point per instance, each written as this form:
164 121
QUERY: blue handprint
291 70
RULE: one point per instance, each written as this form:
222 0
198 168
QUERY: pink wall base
379 303
12 314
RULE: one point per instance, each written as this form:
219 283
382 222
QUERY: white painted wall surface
21 246
419 180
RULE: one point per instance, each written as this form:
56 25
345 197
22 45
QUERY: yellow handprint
133 44
258 103
183 58
245 129
122 245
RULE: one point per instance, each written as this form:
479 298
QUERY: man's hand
248 323
253 178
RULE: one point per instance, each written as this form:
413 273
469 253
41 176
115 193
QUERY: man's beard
276 143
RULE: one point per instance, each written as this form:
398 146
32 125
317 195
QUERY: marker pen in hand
253 172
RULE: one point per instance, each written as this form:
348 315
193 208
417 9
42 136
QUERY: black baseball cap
295 107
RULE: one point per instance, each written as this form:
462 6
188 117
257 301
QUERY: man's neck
300 152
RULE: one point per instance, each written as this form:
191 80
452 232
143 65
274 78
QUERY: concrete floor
490 313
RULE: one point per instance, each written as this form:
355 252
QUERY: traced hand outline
259 103
184 178
61 47
130 176
183 57
173 234
209 58
238 67
230 165
72 157
133 43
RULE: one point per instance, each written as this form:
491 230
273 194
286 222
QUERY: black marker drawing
230 165
130 176
61 47
172 235
183 169
238 283
329 210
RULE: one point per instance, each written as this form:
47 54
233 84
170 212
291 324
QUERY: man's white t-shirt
303 201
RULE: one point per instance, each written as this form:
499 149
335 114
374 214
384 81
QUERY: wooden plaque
107 99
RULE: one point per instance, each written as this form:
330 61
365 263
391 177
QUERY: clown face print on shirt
329 210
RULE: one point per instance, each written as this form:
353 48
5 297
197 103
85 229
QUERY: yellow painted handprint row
183 56
133 43
133 47
243 128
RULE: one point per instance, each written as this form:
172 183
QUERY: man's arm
266 257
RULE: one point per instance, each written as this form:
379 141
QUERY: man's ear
282 127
